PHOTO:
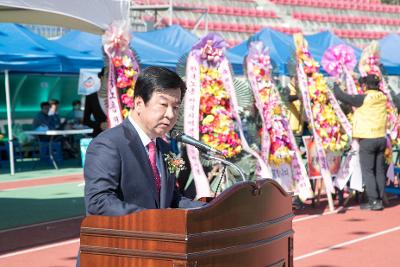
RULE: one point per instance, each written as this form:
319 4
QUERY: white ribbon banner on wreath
191 124
264 171
114 112
322 160
292 177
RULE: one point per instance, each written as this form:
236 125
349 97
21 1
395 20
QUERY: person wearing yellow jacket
295 107
369 126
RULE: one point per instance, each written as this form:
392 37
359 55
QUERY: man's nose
169 113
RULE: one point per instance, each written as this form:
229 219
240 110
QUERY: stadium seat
252 12
213 9
242 28
229 10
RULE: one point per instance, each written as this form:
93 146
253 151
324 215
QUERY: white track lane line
12 254
340 245
322 214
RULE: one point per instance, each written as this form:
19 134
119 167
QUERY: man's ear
138 104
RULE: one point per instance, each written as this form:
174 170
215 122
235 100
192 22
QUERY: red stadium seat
213 9
229 10
238 11
225 26
184 23
221 10
234 27
245 12
259 13
218 26
242 28
252 28
252 12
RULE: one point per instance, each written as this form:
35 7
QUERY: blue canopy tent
25 52
153 48
160 47
390 53
19 51
319 42
172 40
389 45
281 48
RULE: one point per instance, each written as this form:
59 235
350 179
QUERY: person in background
55 120
295 108
94 115
42 118
43 122
369 126
75 116
296 121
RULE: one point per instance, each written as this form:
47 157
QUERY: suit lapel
137 148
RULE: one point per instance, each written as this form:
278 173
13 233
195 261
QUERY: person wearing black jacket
94 115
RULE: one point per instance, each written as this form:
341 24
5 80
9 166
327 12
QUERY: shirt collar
142 135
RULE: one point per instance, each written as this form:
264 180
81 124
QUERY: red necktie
152 157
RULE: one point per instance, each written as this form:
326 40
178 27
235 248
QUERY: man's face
45 109
159 114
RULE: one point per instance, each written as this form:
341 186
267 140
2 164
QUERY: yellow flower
125 112
129 92
277 110
129 73
207 120
332 146
205 138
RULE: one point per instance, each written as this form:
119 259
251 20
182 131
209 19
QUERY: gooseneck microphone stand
223 160
226 162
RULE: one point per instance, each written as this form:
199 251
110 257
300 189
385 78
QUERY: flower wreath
122 73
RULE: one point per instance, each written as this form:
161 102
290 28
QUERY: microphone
181 137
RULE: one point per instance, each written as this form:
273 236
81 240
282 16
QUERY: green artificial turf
26 206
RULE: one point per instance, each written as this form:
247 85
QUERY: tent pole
10 134
171 11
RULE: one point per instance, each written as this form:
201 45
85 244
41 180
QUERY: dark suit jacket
119 179
92 107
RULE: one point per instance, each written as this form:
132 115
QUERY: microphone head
176 134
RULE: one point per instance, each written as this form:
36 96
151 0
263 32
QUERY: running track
346 237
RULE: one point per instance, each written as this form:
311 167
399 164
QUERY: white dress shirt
142 135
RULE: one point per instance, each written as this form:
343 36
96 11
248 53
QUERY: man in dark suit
125 169
94 114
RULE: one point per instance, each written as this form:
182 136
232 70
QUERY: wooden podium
248 225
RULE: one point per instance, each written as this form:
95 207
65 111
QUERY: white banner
88 82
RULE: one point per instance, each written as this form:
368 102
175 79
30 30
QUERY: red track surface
352 237
42 181
362 238
348 237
